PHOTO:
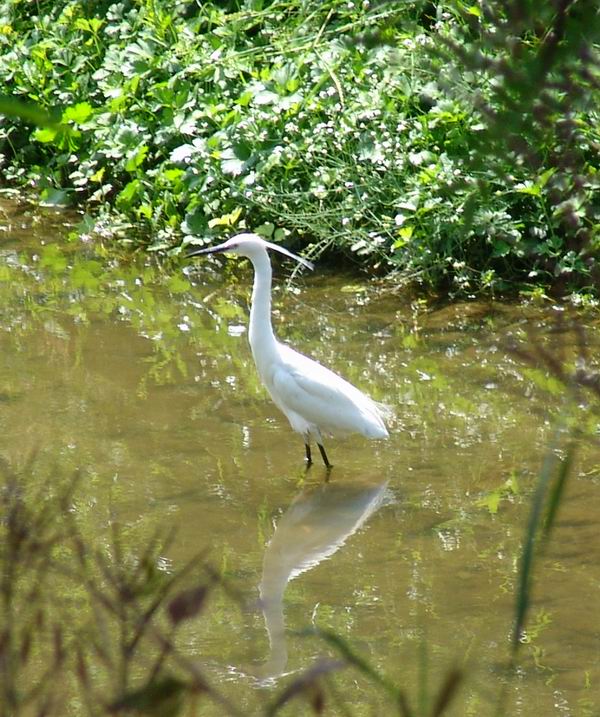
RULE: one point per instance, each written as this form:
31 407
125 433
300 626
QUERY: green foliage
345 124
532 76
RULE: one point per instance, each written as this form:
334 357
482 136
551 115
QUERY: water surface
140 376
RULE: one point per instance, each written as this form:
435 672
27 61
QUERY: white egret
315 400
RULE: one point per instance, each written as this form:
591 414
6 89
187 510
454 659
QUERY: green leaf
136 158
491 502
97 176
544 506
95 24
556 492
265 230
528 188
545 176
78 114
45 135
129 192
244 99
226 220
501 248
172 175
51 197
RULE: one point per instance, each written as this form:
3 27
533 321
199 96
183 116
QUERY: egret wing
323 398
311 379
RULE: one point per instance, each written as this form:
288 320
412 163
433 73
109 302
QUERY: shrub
440 142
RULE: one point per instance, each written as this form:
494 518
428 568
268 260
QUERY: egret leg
308 454
324 456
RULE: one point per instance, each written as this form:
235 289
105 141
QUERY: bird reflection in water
313 528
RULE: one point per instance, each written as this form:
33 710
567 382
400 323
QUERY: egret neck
260 333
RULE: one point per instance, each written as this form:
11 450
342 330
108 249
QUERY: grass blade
544 508
344 649
447 692
527 557
556 492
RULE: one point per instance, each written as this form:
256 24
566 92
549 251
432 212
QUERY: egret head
250 246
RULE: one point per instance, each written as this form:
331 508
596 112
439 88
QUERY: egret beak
208 250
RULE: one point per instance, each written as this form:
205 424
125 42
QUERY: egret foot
324 457
308 455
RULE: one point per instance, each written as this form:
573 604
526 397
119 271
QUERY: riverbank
375 135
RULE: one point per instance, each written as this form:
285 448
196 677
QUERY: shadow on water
314 527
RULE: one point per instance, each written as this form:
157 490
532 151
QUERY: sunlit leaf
46 134
529 188
97 176
137 158
78 114
183 152
232 166
265 97
491 502
226 220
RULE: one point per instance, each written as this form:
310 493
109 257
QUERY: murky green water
142 378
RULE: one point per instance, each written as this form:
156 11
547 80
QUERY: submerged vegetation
450 144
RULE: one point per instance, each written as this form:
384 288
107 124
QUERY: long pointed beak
207 250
